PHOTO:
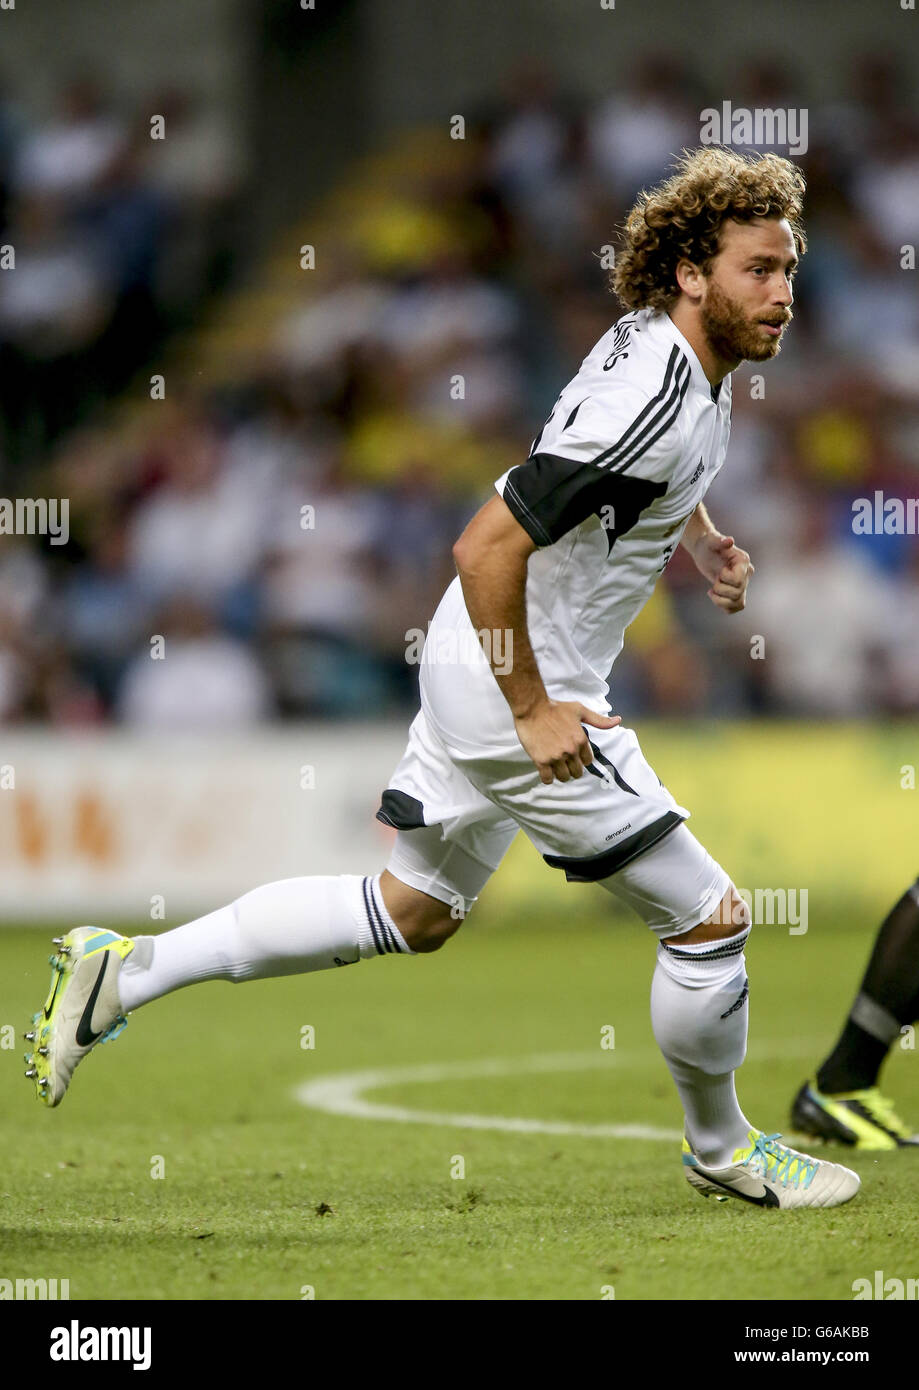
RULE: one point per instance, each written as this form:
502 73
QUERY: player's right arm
491 558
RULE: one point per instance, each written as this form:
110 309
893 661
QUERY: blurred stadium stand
330 388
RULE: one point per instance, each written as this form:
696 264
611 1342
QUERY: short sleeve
618 454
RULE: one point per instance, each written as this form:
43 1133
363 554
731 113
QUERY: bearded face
738 332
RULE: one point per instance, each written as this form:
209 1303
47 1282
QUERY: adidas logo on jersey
698 473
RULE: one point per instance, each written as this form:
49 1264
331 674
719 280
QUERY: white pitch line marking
343 1094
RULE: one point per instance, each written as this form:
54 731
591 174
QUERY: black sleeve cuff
550 495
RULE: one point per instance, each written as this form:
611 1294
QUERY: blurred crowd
118 234
286 525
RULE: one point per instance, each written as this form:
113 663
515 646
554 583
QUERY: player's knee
425 937
736 910
731 916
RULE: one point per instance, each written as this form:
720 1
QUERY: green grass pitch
261 1198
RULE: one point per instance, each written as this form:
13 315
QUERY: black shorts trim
401 811
599 866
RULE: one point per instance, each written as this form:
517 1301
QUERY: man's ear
689 278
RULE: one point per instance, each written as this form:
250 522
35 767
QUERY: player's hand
727 568
553 735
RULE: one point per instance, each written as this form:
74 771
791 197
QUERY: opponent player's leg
843 1103
699 1014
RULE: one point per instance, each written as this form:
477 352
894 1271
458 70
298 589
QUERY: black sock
854 1063
888 999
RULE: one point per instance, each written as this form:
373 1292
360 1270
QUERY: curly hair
682 218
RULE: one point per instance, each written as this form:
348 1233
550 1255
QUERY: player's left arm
726 567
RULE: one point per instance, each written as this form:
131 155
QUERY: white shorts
457 811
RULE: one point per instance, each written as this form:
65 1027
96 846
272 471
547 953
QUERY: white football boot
769 1174
82 1008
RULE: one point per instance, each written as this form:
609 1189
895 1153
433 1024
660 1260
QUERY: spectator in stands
457 289
69 155
203 680
53 307
199 533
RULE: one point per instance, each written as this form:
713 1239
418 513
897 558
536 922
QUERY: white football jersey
631 447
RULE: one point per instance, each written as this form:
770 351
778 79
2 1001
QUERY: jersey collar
697 374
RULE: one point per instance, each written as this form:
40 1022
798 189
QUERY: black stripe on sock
368 909
728 949
385 931
388 938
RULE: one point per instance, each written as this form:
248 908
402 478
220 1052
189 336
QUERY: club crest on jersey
698 473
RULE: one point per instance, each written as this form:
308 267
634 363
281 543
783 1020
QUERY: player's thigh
592 825
675 886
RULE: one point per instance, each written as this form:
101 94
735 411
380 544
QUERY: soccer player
843 1104
517 734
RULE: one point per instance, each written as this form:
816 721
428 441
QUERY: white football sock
699 1016
285 928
